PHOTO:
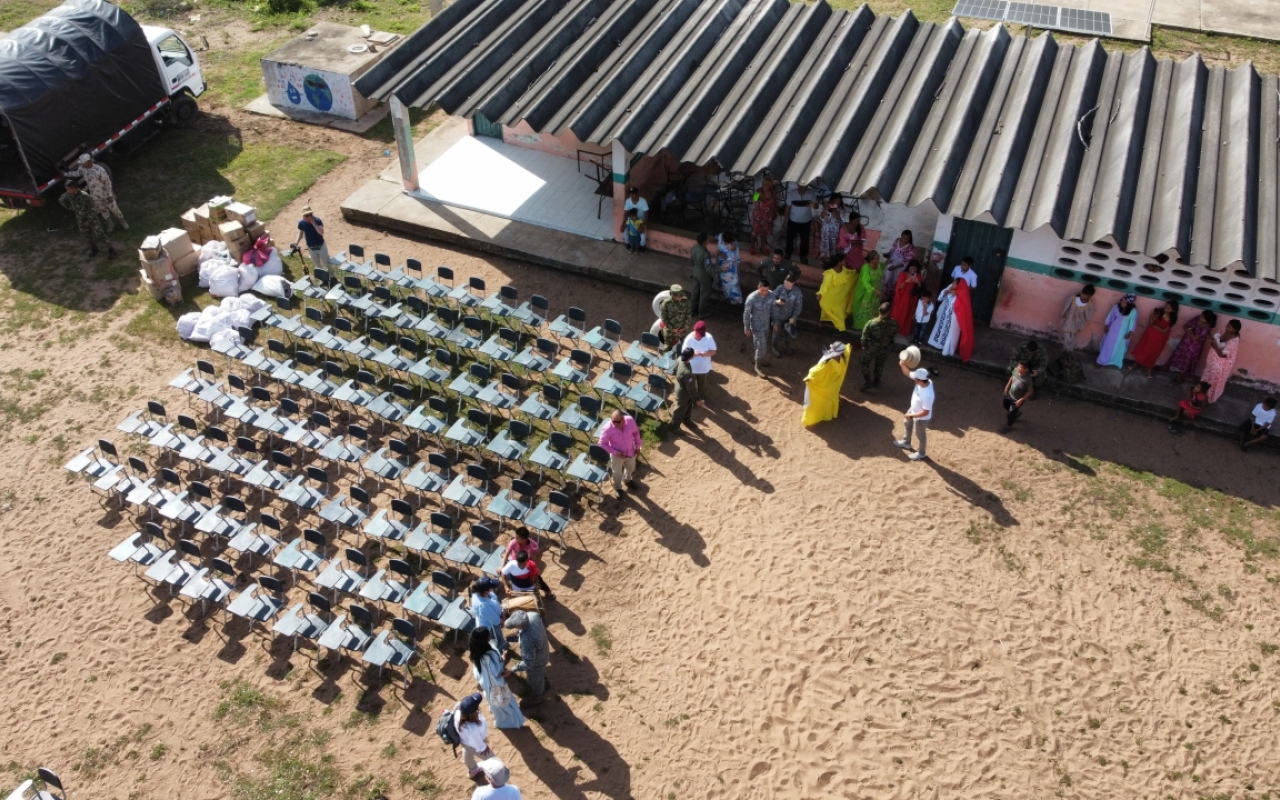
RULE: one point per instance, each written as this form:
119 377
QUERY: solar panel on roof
1037 15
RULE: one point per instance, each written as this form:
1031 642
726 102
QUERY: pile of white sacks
231 282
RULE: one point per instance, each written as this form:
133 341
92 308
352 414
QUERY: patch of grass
16 13
390 750
1268 649
423 782
58 658
289 772
600 635
366 787
158 751
1019 493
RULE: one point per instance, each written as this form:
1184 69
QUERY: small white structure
315 73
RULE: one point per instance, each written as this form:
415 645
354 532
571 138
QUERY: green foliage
600 635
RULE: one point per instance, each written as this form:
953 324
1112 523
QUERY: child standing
633 227
924 312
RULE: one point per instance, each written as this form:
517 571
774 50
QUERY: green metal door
483 127
989 247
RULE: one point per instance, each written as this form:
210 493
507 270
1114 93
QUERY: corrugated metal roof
1163 158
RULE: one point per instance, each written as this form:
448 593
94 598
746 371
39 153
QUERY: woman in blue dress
730 260
486 667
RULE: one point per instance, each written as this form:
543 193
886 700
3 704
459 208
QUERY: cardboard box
256 230
218 209
159 269
231 231
192 226
187 264
151 248
242 213
153 289
238 249
176 242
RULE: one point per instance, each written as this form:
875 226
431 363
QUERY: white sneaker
917 456
903 443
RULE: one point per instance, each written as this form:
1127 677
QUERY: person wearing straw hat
497 777
311 228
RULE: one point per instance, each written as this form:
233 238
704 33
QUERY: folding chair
583 415
469 335
471 384
347 449
389 463
479 550
260 603
382 349
354 262
604 338
224 520
644 352
533 313
189 506
315 438
173 569
616 382
501 347
270 475
349 634
543 404
512 503
392 584
48 781
380 260
350 516
417 312
552 453
570 326
304 497
355 394
430 476
433 537
440 286
539 356
446 610
340 577
392 406
396 647
304 554
469 296
211 585
142 548
310 625
323 382
122 485
591 467
145 422
552 516
469 489
503 394
435 370
385 526
96 463
651 395
400 275
398 357
431 419
440 325
470 431
193 382
502 303
574 369
254 540
511 443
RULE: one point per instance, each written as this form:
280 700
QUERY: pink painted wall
1032 303
566 144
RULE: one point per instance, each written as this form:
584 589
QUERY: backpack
447 730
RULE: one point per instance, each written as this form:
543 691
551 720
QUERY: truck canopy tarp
73 78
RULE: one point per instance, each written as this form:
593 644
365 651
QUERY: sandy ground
778 613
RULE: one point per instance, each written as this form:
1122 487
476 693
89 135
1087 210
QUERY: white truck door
180 68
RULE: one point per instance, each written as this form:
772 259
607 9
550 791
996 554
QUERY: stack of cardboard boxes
217 220
157 273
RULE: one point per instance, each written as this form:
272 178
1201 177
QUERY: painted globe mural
317 92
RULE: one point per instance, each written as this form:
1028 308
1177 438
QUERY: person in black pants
800 207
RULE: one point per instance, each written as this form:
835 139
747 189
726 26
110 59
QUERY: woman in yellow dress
866 296
822 384
835 297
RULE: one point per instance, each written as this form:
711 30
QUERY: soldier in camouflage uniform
98 184
675 314
877 340
1035 357
788 303
86 211
755 322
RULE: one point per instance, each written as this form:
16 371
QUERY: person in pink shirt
620 438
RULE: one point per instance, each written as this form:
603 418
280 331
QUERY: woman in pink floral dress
1221 359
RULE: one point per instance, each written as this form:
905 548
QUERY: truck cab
177 62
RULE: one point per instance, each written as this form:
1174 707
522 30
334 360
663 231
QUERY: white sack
273 286
273 264
213 249
225 338
187 324
224 281
248 277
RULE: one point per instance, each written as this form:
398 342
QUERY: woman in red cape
964 319
904 296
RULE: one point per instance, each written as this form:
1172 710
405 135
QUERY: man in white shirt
496 775
1256 428
704 347
918 415
801 204
964 270
634 200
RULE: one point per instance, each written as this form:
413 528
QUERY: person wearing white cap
98 184
918 414
497 775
